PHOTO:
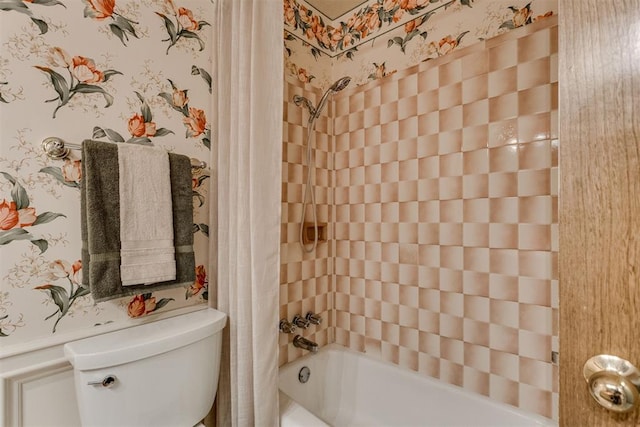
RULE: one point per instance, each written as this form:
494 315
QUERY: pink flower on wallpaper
17 214
84 69
8 215
185 17
179 98
138 127
183 24
141 127
72 171
199 284
99 9
196 122
120 26
60 296
144 304
11 217
84 77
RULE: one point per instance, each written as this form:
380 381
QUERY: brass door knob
613 382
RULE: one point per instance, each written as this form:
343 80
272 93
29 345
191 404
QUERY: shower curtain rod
55 148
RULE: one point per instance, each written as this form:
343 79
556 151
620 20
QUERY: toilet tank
163 373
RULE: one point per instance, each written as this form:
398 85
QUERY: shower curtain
248 130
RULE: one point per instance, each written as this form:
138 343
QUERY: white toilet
162 373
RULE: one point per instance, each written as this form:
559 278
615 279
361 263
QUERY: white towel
146 217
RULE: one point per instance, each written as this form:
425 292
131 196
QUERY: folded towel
146 216
100 223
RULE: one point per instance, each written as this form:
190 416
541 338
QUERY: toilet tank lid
142 341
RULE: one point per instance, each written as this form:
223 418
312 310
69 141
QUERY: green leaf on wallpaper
20 196
48 3
9 236
109 133
80 292
202 178
200 198
125 25
206 141
42 244
15 5
466 2
163 132
144 109
109 73
162 303
98 132
190 35
205 229
203 24
119 33
508 25
171 28
41 25
86 88
60 298
9 178
459 38
58 82
203 73
57 174
46 217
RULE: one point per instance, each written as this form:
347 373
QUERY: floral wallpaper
124 71
385 36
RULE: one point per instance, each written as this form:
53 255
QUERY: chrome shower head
340 84
335 87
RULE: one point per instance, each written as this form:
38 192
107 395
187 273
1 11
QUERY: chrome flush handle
106 382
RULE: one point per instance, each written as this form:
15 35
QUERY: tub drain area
304 374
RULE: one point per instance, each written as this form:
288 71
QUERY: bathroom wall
305 278
444 194
119 71
446 218
380 37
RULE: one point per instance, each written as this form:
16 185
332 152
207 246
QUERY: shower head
340 84
335 87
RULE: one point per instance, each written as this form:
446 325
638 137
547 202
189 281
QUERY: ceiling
333 9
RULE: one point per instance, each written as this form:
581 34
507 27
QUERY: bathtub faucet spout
305 344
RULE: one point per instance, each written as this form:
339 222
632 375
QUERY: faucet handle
300 322
313 318
286 327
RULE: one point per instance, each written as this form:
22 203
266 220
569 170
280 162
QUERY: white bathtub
347 388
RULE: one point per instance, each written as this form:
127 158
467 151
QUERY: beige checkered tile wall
445 219
305 279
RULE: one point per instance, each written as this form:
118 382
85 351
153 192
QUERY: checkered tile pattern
445 218
305 279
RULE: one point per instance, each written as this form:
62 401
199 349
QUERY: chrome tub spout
305 344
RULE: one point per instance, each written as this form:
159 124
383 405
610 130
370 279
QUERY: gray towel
100 223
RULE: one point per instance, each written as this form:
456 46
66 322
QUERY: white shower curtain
248 130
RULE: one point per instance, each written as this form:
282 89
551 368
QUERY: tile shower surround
444 218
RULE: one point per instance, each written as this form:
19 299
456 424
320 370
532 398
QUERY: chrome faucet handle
313 318
300 322
285 327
